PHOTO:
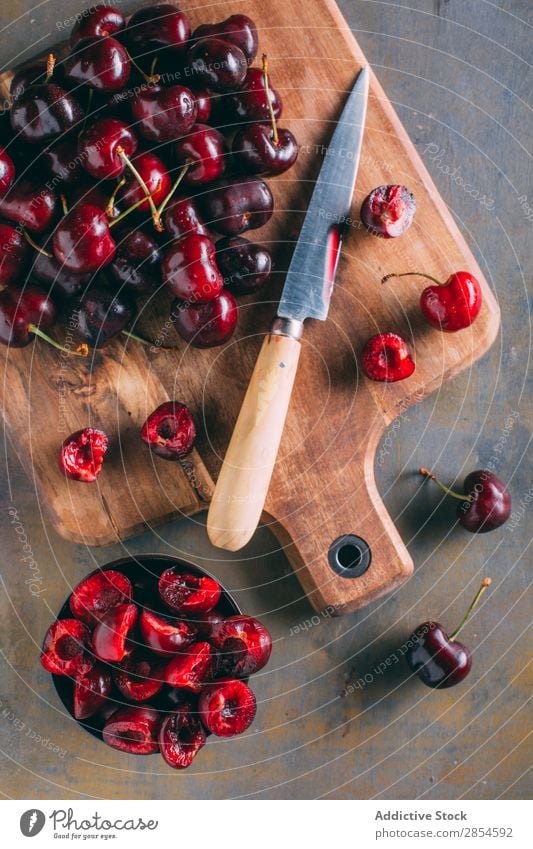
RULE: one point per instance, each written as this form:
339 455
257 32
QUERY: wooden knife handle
244 479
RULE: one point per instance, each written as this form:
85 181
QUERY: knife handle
244 478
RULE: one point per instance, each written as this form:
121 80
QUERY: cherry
35 73
265 148
140 676
216 64
170 431
386 357
243 645
163 114
48 272
204 150
82 241
452 305
155 178
111 633
188 594
102 64
190 271
62 160
237 29
133 729
137 261
97 594
205 622
233 206
182 217
102 315
485 502
192 668
388 211
437 659
64 649
14 253
97 22
203 105
245 266
227 707
23 314
206 325
91 692
82 454
165 636
104 147
181 737
251 103
43 112
35 208
93 194
156 28
7 170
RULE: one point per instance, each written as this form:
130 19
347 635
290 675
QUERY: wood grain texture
323 484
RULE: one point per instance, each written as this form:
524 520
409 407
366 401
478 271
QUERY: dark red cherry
100 144
81 455
386 357
7 170
35 73
237 29
190 271
57 279
112 631
227 707
91 692
62 160
258 149
388 211
243 644
137 262
232 206
192 668
155 28
43 112
182 217
82 240
170 431
204 150
102 315
250 103
133 729
14 254
156 179
188 594
65 647
485 502
163 114
205 622
216 64
206 325
98 593
31 206
96 22
203 105
181 737
23 314
165 636
245 266
452 305
94 194
101 63
139 676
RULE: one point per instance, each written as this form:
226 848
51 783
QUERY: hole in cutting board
349 556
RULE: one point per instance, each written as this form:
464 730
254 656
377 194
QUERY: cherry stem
486 582
50 65
413 274
165 201
111 202
129 164
126 212
152 68
148 78
144 341
36 331
64 204
275 137
35 245
446 489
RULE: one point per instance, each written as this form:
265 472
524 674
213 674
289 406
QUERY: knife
244 478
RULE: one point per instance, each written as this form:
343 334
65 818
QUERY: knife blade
244 478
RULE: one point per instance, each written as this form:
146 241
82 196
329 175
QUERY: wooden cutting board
323 486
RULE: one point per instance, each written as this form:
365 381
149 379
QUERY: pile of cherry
158 132
155 664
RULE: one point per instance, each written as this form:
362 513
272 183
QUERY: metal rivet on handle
349 556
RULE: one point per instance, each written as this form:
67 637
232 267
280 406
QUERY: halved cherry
181 737
243 645
82 454
140 676
112 631
91 691
99 593
191 669
188 594
64 649
227 707
163 635
133 729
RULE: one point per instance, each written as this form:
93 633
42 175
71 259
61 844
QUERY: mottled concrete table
458 75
